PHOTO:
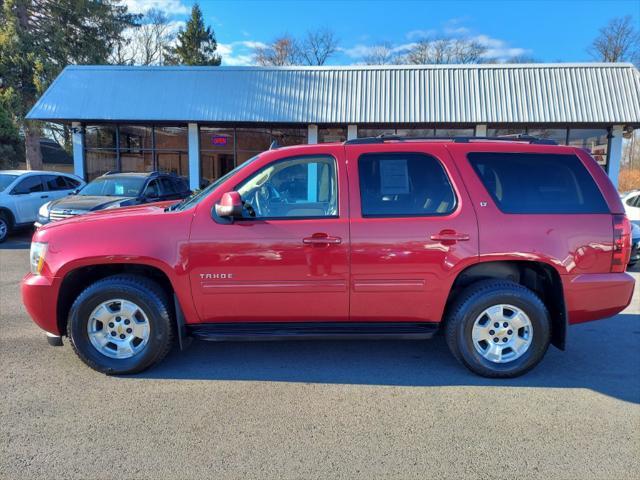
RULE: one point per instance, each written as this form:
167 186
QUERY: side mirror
230 205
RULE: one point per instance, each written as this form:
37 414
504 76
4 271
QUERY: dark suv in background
114 190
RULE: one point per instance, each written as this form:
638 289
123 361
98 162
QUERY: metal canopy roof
470 94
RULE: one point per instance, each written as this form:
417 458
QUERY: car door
286 260
29 194
57 186
412 230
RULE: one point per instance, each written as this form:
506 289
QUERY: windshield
5 180
202 194
114 187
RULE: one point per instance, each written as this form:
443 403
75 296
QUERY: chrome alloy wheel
502 333
118 328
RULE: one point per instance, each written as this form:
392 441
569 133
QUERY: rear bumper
40 298
595 296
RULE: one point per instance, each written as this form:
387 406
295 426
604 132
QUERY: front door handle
450 236
321 239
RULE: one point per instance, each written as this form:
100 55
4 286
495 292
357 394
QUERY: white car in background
631 202
23 192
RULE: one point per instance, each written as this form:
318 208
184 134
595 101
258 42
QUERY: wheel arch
12 218
79 278
540 277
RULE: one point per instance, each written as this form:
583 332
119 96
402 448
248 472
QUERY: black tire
144 293
5 221
468 307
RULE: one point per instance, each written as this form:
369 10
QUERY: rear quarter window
538 183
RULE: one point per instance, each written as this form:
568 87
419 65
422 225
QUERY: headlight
44 210
38 252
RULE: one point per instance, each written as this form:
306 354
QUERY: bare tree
151 38
315 49
145 43
446 51
318 46
466 51
618 41
283 51
121 53
381 54
522 59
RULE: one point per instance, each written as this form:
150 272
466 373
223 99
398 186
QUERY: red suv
501 244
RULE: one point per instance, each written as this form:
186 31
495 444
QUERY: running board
219 332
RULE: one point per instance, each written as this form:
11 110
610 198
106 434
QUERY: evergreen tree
38 38
196 43
11 148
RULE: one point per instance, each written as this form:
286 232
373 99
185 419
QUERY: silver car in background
23 192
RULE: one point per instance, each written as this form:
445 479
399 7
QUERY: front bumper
40 298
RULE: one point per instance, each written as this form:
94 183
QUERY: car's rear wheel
121 324
498 329
5 226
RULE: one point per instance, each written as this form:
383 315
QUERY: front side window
152 190
404 184
538 183
30 184
301 187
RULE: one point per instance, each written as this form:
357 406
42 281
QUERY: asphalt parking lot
316 409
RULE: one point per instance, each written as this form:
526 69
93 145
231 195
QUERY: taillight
621 243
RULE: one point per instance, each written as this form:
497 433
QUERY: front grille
55 215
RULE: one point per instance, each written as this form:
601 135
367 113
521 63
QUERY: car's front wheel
498 329
5 226
121 324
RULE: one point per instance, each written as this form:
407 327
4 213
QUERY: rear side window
404 185
168 187
56 182
538 183
181 185
71 183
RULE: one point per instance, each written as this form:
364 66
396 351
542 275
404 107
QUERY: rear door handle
44 196
450 236
321 239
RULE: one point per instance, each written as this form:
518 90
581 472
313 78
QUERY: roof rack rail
398 138
151 174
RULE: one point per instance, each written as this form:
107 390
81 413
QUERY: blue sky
546 30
